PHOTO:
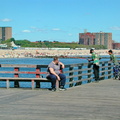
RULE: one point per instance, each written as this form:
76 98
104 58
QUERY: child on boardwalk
116 67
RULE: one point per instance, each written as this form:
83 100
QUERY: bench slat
18 65
24 72
10 78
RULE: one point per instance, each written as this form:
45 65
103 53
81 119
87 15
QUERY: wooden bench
16 74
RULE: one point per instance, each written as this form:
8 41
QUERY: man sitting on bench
55 74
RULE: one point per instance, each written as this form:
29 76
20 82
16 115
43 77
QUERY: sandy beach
22 53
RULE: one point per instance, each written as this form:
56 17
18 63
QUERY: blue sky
60 20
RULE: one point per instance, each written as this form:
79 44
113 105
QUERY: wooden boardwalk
93 101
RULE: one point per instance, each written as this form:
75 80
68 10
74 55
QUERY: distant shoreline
18 53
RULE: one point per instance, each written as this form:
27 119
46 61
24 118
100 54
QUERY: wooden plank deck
93 101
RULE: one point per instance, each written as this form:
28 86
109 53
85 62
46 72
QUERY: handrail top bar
45 66
23 65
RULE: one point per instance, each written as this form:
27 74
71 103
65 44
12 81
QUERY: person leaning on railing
116 67
95 58
55 74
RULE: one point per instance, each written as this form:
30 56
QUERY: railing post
103 73
7 83
70 74
89 71
38 76
32 84
109 68
79 77
57 84
16 82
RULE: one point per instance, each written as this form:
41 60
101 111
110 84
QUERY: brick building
87 38
5 33
116 45
100 38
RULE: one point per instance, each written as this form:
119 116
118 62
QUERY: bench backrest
17 69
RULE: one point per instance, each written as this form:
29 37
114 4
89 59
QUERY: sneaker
53 89
62 88
97 81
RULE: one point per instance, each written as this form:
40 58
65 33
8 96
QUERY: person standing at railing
95 58
113 57
116 67
55 74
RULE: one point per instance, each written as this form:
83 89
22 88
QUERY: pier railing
83 72
76 74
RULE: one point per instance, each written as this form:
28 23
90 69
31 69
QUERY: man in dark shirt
55 74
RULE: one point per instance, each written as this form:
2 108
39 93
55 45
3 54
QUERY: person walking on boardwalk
95 58
55 74
116 68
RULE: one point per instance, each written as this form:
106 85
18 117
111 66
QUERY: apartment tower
5 33
100 38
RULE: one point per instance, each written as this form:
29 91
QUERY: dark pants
53 79
96 72
116 71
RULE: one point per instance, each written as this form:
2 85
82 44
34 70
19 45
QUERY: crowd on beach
39 53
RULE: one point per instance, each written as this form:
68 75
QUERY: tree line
48 44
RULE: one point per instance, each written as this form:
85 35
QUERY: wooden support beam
7 84
57 84
33 84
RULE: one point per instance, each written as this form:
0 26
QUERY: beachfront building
116 45
100 38
5 33
87 38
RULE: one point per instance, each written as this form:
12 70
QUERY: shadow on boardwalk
94 101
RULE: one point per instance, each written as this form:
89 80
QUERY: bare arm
53 72
63 66
90 60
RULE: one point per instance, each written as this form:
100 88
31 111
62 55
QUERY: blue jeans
116 71
53 79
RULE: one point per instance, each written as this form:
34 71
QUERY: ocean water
35 61
39 61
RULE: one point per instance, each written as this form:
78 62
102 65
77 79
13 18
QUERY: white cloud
35 29
26 31
70 34
56 29
5 20
115 28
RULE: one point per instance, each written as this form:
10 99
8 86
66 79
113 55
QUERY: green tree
23 43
